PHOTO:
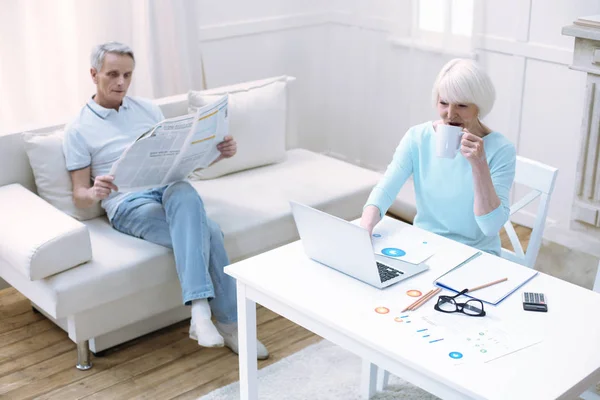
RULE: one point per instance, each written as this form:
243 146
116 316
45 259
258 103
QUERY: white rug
322 371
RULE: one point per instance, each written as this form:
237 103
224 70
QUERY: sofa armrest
38 239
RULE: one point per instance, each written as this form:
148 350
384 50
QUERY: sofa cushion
252 208
257 121
53 181
36 238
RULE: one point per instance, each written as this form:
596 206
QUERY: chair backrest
540 178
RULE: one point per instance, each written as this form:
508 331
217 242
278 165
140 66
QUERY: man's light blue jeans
173 216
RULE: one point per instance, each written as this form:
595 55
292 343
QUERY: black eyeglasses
448 304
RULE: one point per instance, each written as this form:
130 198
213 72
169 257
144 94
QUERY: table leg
368 379
383 378
247 344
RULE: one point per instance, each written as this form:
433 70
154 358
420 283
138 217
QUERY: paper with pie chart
459 339
477 339
406 245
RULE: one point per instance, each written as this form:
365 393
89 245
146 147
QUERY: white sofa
130 286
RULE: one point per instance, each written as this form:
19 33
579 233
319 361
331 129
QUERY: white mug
447 140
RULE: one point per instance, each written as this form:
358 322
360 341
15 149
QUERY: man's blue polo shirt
98 136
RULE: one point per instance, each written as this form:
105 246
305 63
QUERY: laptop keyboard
386 273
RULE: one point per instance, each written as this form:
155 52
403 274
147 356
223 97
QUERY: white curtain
45 51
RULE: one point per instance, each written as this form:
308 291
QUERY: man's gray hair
99 52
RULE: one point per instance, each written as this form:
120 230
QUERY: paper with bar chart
451 338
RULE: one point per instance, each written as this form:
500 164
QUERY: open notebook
483 269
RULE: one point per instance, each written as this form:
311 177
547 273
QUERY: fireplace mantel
585 217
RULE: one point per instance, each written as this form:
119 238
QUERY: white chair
540 178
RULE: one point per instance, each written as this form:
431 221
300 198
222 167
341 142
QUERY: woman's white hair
463 81
99 52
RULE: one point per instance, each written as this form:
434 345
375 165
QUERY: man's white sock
207 333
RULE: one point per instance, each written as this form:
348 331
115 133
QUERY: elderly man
171 216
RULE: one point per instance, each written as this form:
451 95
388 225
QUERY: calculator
534 302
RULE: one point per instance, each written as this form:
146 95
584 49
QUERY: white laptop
347 248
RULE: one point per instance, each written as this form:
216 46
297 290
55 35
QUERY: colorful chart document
453 339
406 244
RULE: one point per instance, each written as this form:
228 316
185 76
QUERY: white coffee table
341 310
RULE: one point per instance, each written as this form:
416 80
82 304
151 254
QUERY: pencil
416 301
425 299
487 284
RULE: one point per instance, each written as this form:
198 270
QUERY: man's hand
228 147
102 187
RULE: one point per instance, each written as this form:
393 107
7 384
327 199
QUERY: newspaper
173 148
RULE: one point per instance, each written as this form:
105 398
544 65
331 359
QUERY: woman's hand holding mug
471 147
450 139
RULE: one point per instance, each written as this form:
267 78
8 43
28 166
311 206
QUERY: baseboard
560 234
573 240
3 284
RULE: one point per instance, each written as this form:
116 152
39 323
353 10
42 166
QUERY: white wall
244 41
358 92
539 98
369 81
377 89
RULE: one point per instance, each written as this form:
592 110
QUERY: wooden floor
37 359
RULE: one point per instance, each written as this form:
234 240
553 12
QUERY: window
431 15
444 23
47 45
461 22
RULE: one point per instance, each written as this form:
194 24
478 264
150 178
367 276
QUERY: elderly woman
464 198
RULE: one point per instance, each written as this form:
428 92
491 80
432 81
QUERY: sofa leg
83 356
